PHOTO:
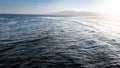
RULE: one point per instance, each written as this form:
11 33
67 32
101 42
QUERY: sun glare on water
110 10
111 17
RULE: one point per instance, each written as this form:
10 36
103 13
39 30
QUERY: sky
50 6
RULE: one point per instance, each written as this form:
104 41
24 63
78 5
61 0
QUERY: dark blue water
33 41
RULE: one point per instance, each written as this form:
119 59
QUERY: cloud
46 6
32 9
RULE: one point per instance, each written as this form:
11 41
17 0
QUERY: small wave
57 42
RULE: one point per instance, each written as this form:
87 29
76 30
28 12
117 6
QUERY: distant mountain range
76 13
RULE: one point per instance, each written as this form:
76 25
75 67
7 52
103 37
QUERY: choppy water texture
29 41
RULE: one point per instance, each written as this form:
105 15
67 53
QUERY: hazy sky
48 6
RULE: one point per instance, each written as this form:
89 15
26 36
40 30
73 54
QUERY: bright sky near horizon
48 6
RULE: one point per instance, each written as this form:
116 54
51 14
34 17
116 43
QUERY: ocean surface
38 41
